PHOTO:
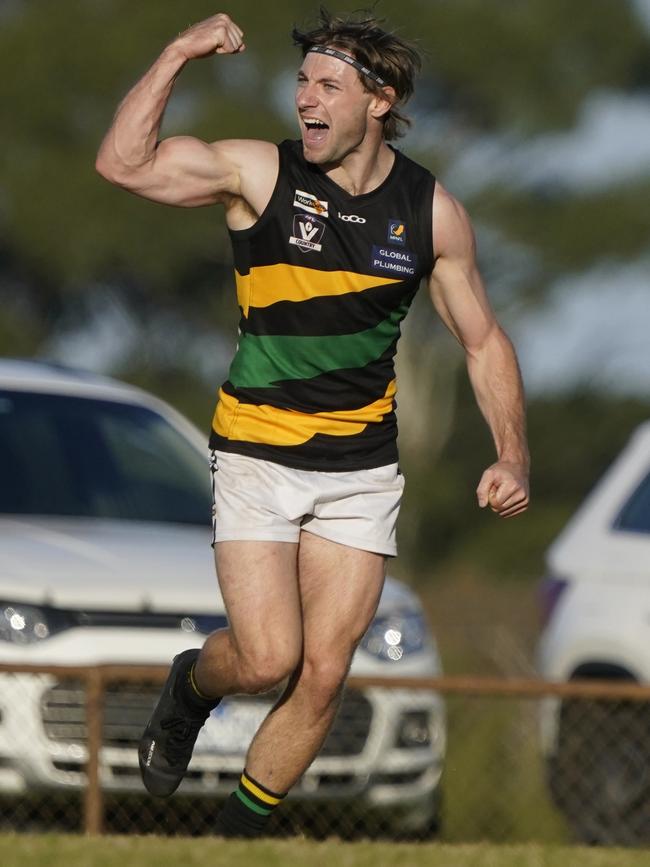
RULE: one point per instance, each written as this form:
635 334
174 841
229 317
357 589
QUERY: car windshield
74 456
635 514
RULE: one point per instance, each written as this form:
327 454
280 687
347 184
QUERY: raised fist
216 35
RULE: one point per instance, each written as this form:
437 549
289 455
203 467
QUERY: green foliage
528 65
495 739
571 231
76 61
18 335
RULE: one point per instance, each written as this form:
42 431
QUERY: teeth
312 121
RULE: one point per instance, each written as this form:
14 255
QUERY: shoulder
452 227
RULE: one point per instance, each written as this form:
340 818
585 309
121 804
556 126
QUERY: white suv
105 558
597 601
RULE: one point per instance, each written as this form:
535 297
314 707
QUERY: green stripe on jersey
263 360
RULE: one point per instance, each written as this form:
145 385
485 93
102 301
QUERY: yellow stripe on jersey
266 424
268 284
243 283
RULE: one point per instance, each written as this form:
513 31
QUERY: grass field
75 851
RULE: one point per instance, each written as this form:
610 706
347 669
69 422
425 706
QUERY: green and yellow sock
248 809
256 797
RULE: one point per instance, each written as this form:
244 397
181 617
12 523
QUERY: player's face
332 108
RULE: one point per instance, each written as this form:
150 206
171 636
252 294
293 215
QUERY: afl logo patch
396 232
307 233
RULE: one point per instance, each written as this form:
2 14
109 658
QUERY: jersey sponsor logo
311 203
307 233
351 218
402 262
396 232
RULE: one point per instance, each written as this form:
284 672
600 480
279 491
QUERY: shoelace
184 731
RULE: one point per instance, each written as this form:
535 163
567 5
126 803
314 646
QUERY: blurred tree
501 66
510 69
527 66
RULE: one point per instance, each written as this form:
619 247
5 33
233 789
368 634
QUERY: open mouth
315 130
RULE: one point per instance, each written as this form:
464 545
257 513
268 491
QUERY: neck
362 170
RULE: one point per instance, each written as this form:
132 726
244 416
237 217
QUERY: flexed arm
180 170
459 297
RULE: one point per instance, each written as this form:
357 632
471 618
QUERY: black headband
321 49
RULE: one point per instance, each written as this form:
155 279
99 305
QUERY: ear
382 104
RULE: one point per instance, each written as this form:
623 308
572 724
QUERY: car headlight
27 624
22 623
392 637
204 623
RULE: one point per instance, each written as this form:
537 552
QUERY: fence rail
499 741
510 686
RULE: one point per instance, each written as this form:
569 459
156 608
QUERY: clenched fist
216 35
504 488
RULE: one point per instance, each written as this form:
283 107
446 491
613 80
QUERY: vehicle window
635 514
75 456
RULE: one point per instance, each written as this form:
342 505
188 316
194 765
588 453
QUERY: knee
262 670
324 677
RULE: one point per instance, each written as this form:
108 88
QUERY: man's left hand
504 488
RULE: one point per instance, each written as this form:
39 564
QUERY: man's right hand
216 35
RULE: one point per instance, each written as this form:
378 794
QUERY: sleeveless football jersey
324 280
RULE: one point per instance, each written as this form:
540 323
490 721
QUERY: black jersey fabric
324 280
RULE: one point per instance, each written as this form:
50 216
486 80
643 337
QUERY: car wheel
600 774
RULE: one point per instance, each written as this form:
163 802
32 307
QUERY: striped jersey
324 279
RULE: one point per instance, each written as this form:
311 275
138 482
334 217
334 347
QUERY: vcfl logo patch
307 233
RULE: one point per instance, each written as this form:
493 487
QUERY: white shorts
261 500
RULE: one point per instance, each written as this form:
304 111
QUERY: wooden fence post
94 800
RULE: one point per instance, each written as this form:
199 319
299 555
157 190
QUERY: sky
594 331
643 11
609 144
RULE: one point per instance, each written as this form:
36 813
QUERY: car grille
127 708
349 733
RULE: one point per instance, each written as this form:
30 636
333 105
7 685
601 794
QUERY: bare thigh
339 593
259 585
